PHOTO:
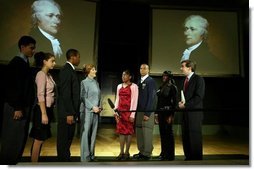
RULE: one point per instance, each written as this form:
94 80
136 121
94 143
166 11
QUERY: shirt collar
194 46
189 76
71 65
89 78
21 55
143 78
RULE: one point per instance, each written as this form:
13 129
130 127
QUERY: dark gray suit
192 121
67 105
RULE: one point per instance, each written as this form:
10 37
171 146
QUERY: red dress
124 126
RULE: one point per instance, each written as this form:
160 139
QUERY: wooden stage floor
217 149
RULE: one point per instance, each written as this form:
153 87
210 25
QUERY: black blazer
19 84
147 94
195 92
167 96
68 92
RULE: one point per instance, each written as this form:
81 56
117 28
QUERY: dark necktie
186 82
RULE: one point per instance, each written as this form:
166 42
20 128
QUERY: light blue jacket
90 94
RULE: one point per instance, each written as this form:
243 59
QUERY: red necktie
186 82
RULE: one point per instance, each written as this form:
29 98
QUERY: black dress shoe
137 156
145 158
160 157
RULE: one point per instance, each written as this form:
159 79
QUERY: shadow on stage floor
222 159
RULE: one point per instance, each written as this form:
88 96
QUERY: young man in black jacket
19 99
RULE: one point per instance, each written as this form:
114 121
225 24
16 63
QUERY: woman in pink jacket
126 99
43 110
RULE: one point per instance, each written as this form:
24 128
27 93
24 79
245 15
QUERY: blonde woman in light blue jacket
90 109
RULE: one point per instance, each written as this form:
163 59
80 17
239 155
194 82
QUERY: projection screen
76 30
168 42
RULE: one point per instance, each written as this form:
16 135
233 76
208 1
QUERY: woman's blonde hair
87 68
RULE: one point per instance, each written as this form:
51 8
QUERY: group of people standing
24 94
134 105
142 98
134 108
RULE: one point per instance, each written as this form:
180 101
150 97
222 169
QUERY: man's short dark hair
71 52
191 64
26 40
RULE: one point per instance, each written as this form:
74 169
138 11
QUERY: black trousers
192 135
65 134
14 135
167 136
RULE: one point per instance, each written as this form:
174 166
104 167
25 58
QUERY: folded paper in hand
182 97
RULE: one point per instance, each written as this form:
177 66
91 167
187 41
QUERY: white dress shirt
143 78
71 65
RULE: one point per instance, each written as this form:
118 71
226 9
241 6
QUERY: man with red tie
194 91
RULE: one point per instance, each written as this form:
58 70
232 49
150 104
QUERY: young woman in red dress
126 100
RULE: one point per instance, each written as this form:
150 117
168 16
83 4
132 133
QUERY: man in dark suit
144 122
19 98
194 91
68 104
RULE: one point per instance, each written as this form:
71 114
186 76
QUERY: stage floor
217 149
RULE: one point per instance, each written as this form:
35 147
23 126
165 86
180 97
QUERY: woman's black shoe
126 156
120 157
